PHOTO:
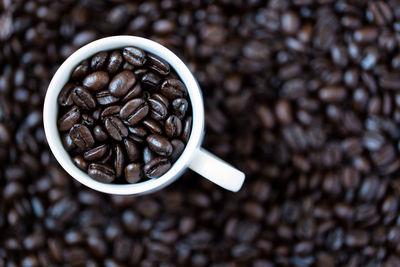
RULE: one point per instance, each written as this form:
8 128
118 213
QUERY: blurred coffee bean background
301 95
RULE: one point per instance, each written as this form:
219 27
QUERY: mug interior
61 77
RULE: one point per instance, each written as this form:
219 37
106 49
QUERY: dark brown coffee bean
157 64
115 128
173 88
173 126
380 12
177 148
98 61
81 136
110 111
114 62
139 72
153 126
83 98
80 163
134 56
80 71
102 173
99 134
148 154
158 110
151 79
66 121
156 167
180 106
133 93
96 81
67 142
134 111
138 133
159 144
105 98
133 172
96 153
65 98
132 150
187 128
87 120
119 160
161 98
121 83
107 157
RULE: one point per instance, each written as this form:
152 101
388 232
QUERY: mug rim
50 113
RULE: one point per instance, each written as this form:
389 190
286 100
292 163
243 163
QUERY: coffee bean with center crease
115 128
121 83
157 64
134 111
133 172
101 172
173 126
153 126
96 81
132 150
80 162
159 144
67 142
65 98
98 61
180 106
81 136
148 154
110 111
138 133
81 70
151 79
158 110
156 167
114 62
132 93
134 56
70 118
118 161
177 148
105 98
187 128
95 153
83 98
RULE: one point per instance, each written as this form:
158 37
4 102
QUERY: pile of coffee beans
302 95
124 115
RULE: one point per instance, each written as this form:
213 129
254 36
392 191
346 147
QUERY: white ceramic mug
194 157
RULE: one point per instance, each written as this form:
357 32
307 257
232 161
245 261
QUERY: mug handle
216 170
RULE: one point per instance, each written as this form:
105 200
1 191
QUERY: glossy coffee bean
153 126
105 98
65 98
156 167
80 71
173 126
121 83
134 56
119 160
115 128
161 98
80 162
148 154
67 142
173 88
81 136
133 172
88 120
177 148
110 111
134 111
151 79
157 64
180 106
132 150
98 61
99 134
159 144
96 153
71 117
83 98
132 93
114 62
101 172
187 128
158 110
96 81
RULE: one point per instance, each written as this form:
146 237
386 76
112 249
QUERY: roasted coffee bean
80 162
157 64
161 98
121 83
119 160
139 72
173 88
173 126
134 111
180 106
134 56
98 61
138 133
151 79
148 154
159 144
132 93
83 98
102 173
71 117
105 98
115 128
96 81
158 110
110 111
67 142
65 96
87 120
114 62
95 153
99 134
133 172
187 128
132 150
80 71
81 136
153 126
177 148
156 167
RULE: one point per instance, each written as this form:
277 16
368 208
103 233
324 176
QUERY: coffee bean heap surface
124 116
301 95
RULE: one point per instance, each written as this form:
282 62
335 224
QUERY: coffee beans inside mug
124 125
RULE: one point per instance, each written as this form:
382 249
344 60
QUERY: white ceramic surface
194 157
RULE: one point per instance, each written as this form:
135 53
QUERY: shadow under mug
193 156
